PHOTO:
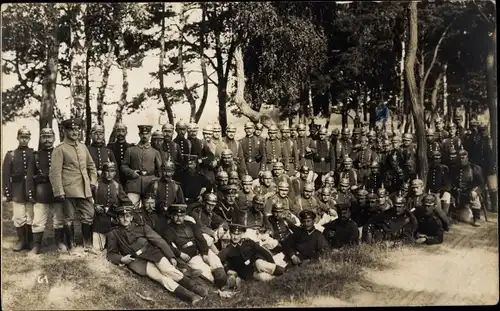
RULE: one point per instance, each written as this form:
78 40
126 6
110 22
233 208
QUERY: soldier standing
220 145
17 180
374 180
245 196
196 143
408 148
438 180
170 151
347 171
488 162
119 147
207 160
157 140
166 191
253 151
272 149
45 202
258 132
193 183
290 152
98 150
228 164
73 177
141 165
303 146
108 195
282 196
441 133
298 183
324 157
307 201
234 145
180 139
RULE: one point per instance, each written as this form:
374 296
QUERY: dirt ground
461 271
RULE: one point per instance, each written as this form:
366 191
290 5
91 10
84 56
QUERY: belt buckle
99 172
322 159
273 161
249 160
144 173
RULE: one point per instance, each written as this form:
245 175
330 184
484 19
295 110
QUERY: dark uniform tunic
253 153
324 157
433 226
147 160
186 237
225 211
312 204
464 179
362 213
279 229
305 158
109 194
438 178
341 233
118 150
409 153
191 183
100 155
272 153
166 193
245 199
286 202
242 257
362 160
43 189
171 151
196 145
374 181
139 241
184 144
17 175
207 222
388 226
351 175
207 156
235 148
305 244
291 155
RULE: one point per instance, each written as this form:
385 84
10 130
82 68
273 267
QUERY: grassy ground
63 281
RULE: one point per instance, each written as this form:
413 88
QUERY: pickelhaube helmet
259 126
231 128
335 132
438 119
429 131
120 125
329 179
382 192
192 127
97 129
344 182
226 153
278 165
207 129
249 125
309 187
407 136
362 192
395 139
347 160
167 127
247 179
216 127
399 200
47 131
181 125
259 199
372 196
23 131
267 174
429 199
157 135
305 169
283 185
168 165
325 191
323 131
346 131
210 197
273 128
233 175
301 127
109 166
222 175
285 128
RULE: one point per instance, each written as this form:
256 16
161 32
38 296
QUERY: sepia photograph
279 154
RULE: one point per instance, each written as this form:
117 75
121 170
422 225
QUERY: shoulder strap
37 160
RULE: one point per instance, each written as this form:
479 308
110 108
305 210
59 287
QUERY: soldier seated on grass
247 258
432 222
343 231
144 252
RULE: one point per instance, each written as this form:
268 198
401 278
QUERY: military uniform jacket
305 244
118 149
72 171
323 156
312 204
109 194
290 153
267 192
147 161
186 238
101 155
279 229
17 175
351 174
235 148
409 153
442 135
388 226
220 145
302 143
273 152
171 151
241 257
245 199
42 161
192 183
340 233
298 185
467 178
253 153
374 181
364 158
141 242
431 225
484 157
345 197
415 202
286 202
438 178
196 145
395 160
225 211
166 193
208 222
361 213
184 144
448 143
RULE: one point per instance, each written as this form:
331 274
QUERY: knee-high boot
59 239
192 286
186 295
69 236
476 216
220 277
29 237
37 243
21 231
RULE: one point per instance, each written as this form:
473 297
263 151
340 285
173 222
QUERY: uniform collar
23 148
72 143
144 146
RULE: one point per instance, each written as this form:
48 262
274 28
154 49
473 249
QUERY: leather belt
17 178
145 173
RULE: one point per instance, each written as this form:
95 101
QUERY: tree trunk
491 89
121 104
435 107
345 119
416 103
88 109
48 102
163 92
102 89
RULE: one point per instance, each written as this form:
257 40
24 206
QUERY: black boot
21 231
87 235
192 286
37 243
476 216
279 270
220 277
494 201
186 295
69 236
59 237
29 237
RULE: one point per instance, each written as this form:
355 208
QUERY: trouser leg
40 217
86 211
168 270
197 263
98 241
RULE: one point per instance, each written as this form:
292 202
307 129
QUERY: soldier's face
144 137
257 132
453 158
121 133
207 136
230 134
322 136
307 194
247 188
345 214
149 204
396 144
344 188
209 206
178 218
23 140
283 192
192 165
277 171
272 135
436 159
307 223
73 133
303 175
227 159
230 198
279 214
109 174
223 181
429 207
157 142
267 181
382 199
168 173
364 143
387 146
375 170
325 197
236 237
234 180
400 208
293 134
301 133
249 131
47 141
181 131
373 203
356 136
258 206
347 165
439 126
362 200
285 134
329 183
464 159
125 219
417 190
216 134
98 137
192 133
167 134
453 132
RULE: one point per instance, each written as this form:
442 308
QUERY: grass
90 282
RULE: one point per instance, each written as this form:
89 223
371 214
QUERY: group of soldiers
227 209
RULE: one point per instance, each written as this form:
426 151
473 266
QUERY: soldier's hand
173 262
8 199
32 200
60 198
99 208
295 260
136 174
185 257
308 149
127 259
205 259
